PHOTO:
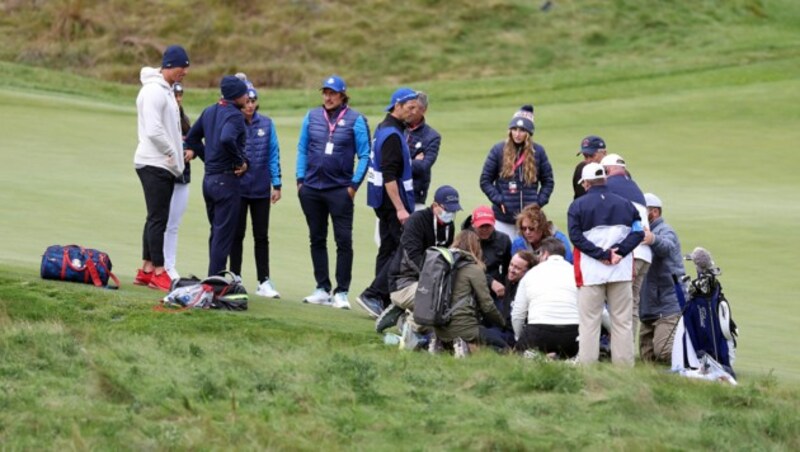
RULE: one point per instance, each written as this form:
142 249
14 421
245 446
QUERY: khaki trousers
640 268
404 298
590 308
655 339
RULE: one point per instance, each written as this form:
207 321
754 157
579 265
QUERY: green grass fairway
719 156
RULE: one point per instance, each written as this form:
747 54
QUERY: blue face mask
446 217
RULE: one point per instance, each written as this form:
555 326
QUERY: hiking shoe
161 282
373 306
409 339
435 346
142 278
320 297
388 318
266 289
340 301
532 354
460 348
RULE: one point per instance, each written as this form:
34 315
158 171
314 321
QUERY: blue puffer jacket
263 153
497 189
426 140
658 296
319 170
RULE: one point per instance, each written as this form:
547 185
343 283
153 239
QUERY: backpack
221 291
432 300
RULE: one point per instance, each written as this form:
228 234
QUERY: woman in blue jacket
516 173
260 186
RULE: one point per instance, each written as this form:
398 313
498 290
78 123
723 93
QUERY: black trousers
221 193
390 231
317 206
157 184
559 339
259 214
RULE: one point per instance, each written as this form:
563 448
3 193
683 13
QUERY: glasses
528 228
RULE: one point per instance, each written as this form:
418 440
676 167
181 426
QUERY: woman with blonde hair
470 297
516 172
534 227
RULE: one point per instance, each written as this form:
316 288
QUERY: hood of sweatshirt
149 75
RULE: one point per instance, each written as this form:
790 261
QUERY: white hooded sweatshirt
160 138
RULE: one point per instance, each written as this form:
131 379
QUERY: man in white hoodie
159 158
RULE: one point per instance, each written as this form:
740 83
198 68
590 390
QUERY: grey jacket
658 296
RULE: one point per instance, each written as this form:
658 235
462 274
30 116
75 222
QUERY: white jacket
160 137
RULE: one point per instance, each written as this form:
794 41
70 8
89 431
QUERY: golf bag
706 331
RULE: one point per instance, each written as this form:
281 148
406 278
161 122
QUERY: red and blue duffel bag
78 264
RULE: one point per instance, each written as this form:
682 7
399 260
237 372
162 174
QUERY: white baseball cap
652 200
613 160
592 171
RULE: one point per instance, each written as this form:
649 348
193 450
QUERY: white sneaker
320 297
460 348
340 301
266 289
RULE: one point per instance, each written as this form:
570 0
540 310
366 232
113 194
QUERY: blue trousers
317 206
221 193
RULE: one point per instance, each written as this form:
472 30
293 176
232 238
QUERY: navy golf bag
706 328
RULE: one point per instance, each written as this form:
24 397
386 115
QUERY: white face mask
446 217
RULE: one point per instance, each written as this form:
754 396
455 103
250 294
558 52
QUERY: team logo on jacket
342 122
261 132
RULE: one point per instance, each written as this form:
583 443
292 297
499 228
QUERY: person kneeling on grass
545 310
465 330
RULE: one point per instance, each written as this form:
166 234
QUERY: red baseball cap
482 215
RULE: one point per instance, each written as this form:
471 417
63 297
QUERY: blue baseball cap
447 197
402 95
334 83
591 144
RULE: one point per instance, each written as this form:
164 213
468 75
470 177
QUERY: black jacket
422 230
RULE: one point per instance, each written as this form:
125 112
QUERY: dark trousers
221 193
317 206
259 214
560 339
390 231
492 337
157 184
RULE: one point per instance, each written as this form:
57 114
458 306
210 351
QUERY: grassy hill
704 110
290 43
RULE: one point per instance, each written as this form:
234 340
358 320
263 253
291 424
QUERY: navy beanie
523 119
175 56
232 88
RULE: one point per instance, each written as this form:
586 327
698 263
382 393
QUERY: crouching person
545 309
659 310
465 331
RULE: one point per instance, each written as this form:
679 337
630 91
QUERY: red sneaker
142 278
161 282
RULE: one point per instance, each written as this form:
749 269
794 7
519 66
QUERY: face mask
447 217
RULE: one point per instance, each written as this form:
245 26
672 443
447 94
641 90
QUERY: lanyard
519 161
332 127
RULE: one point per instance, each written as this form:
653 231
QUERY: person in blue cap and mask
159 159
332 137
218 138
390 191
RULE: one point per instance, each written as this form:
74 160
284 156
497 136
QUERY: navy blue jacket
221 127
624 186
263 155
658 296
350 138
426 140
497 189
